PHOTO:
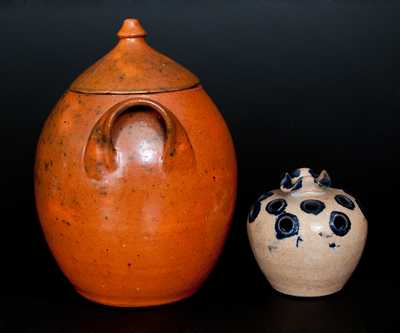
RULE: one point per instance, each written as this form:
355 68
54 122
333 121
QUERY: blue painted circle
312 206
254 211
339 223
286 225
345 201
277 206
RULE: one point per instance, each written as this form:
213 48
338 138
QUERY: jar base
308 292
133 303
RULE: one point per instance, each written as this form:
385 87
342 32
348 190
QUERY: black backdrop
299 82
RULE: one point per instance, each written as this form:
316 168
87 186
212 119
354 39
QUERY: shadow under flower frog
306 236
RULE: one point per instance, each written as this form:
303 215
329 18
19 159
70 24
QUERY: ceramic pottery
135 178
307 237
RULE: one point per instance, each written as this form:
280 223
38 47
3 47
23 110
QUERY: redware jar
135 178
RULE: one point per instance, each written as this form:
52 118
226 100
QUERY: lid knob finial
131 28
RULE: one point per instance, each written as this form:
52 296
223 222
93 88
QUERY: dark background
299 82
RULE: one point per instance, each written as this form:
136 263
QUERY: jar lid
133 67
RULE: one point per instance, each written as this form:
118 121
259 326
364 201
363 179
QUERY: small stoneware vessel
135 178
307 237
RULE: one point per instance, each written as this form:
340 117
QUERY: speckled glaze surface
134 201
307 237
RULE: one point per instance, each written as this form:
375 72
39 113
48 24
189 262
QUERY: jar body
309 239
144 233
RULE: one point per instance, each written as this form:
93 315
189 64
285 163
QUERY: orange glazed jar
135 178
